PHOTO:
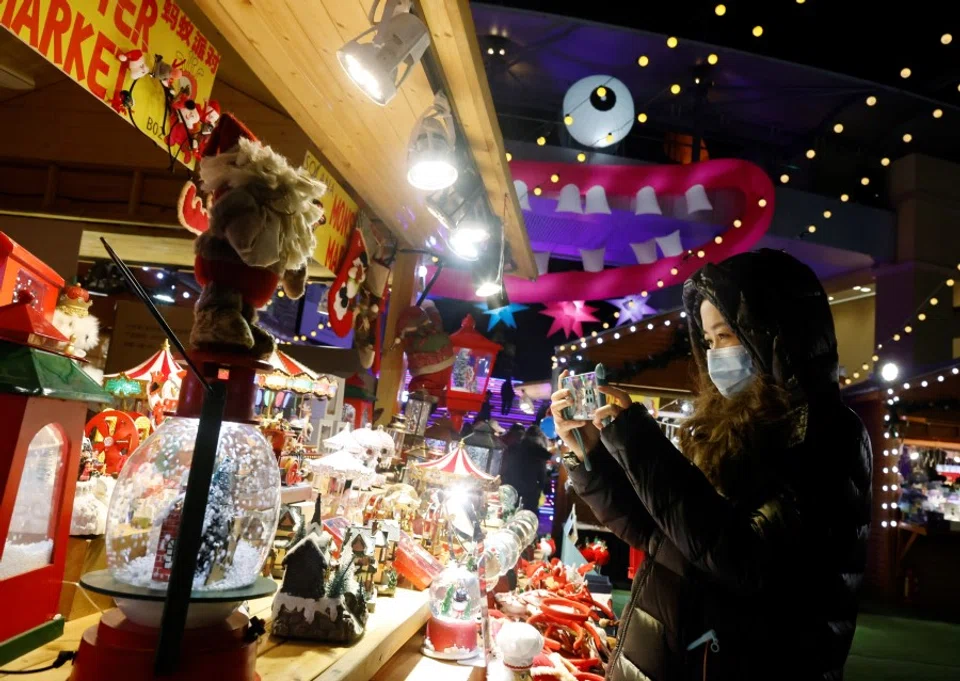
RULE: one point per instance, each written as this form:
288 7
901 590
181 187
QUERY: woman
756 535
525 466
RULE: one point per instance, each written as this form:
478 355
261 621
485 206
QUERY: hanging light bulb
431 164
581 157
642 117
844 197
720 10
400 38
838 128
811 153
672 42
907 137
938 113
643 61
712 59
757 31
871 101
675 89
884 161
905 72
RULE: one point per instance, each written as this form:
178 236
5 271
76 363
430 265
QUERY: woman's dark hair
534 434
721 430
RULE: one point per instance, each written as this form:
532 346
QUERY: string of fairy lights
567 354
889 371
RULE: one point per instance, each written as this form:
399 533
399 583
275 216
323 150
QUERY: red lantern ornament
473 360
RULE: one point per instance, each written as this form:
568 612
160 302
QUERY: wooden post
391 362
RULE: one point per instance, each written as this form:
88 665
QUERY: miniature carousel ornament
452 631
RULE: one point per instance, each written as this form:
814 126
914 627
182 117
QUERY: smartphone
586 398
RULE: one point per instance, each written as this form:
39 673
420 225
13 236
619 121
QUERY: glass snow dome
241 516
455 607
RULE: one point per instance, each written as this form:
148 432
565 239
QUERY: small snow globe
452 632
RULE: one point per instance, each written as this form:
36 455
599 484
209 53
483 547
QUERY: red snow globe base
450 639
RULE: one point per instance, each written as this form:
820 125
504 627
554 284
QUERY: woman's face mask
730 369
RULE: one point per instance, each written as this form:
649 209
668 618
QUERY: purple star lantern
632 309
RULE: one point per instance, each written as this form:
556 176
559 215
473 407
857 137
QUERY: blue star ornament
502 314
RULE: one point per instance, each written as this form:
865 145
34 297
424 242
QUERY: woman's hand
617 401
590 436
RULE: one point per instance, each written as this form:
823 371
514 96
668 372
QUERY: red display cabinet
43 399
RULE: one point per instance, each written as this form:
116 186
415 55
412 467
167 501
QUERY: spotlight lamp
399 38
431 162
889 372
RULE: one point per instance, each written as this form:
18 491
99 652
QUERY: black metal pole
190 533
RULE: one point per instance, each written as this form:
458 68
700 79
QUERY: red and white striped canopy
162 362
286 364
457 462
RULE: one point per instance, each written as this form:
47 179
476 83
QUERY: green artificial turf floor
888 648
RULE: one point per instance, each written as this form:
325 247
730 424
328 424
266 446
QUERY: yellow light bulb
908 329
922 317
672 42
934 302
606 325
864 181
946 39
674 271
568 119
313 334
757 31
856 374
827 214
675 89
847 381
938 113
908 138
720 10
642 118
509 157
541 140
280 294
659 283
700 254
537 191
905 73
884 161
784 178
811 153
875 358
554 178
896 338
718 240
865 366
871 101
609 138
321 327
601 92
812 229
844 197
762 203
581 157
712 59
643 60
643 294
838 128
950 282
738 223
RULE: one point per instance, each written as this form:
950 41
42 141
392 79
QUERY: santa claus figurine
73 319
259 235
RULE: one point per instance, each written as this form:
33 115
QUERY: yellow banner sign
340 217
105 45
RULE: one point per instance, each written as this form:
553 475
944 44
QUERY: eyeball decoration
599 110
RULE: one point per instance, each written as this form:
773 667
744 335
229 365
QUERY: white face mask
730 369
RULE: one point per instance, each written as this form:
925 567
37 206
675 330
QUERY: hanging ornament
343 292
501 314
569 317
632 309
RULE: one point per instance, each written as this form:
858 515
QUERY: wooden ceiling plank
323 122
454 40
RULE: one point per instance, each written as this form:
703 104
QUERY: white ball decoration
602 111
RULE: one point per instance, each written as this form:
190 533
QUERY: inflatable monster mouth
671 218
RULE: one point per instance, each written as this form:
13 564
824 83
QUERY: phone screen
583 391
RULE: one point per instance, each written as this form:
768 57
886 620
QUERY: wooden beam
454 42
391 360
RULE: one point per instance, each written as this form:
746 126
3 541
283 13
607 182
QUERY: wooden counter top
389 629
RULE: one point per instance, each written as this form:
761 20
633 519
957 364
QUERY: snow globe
455 610
147 506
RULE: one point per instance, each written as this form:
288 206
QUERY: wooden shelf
395 622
